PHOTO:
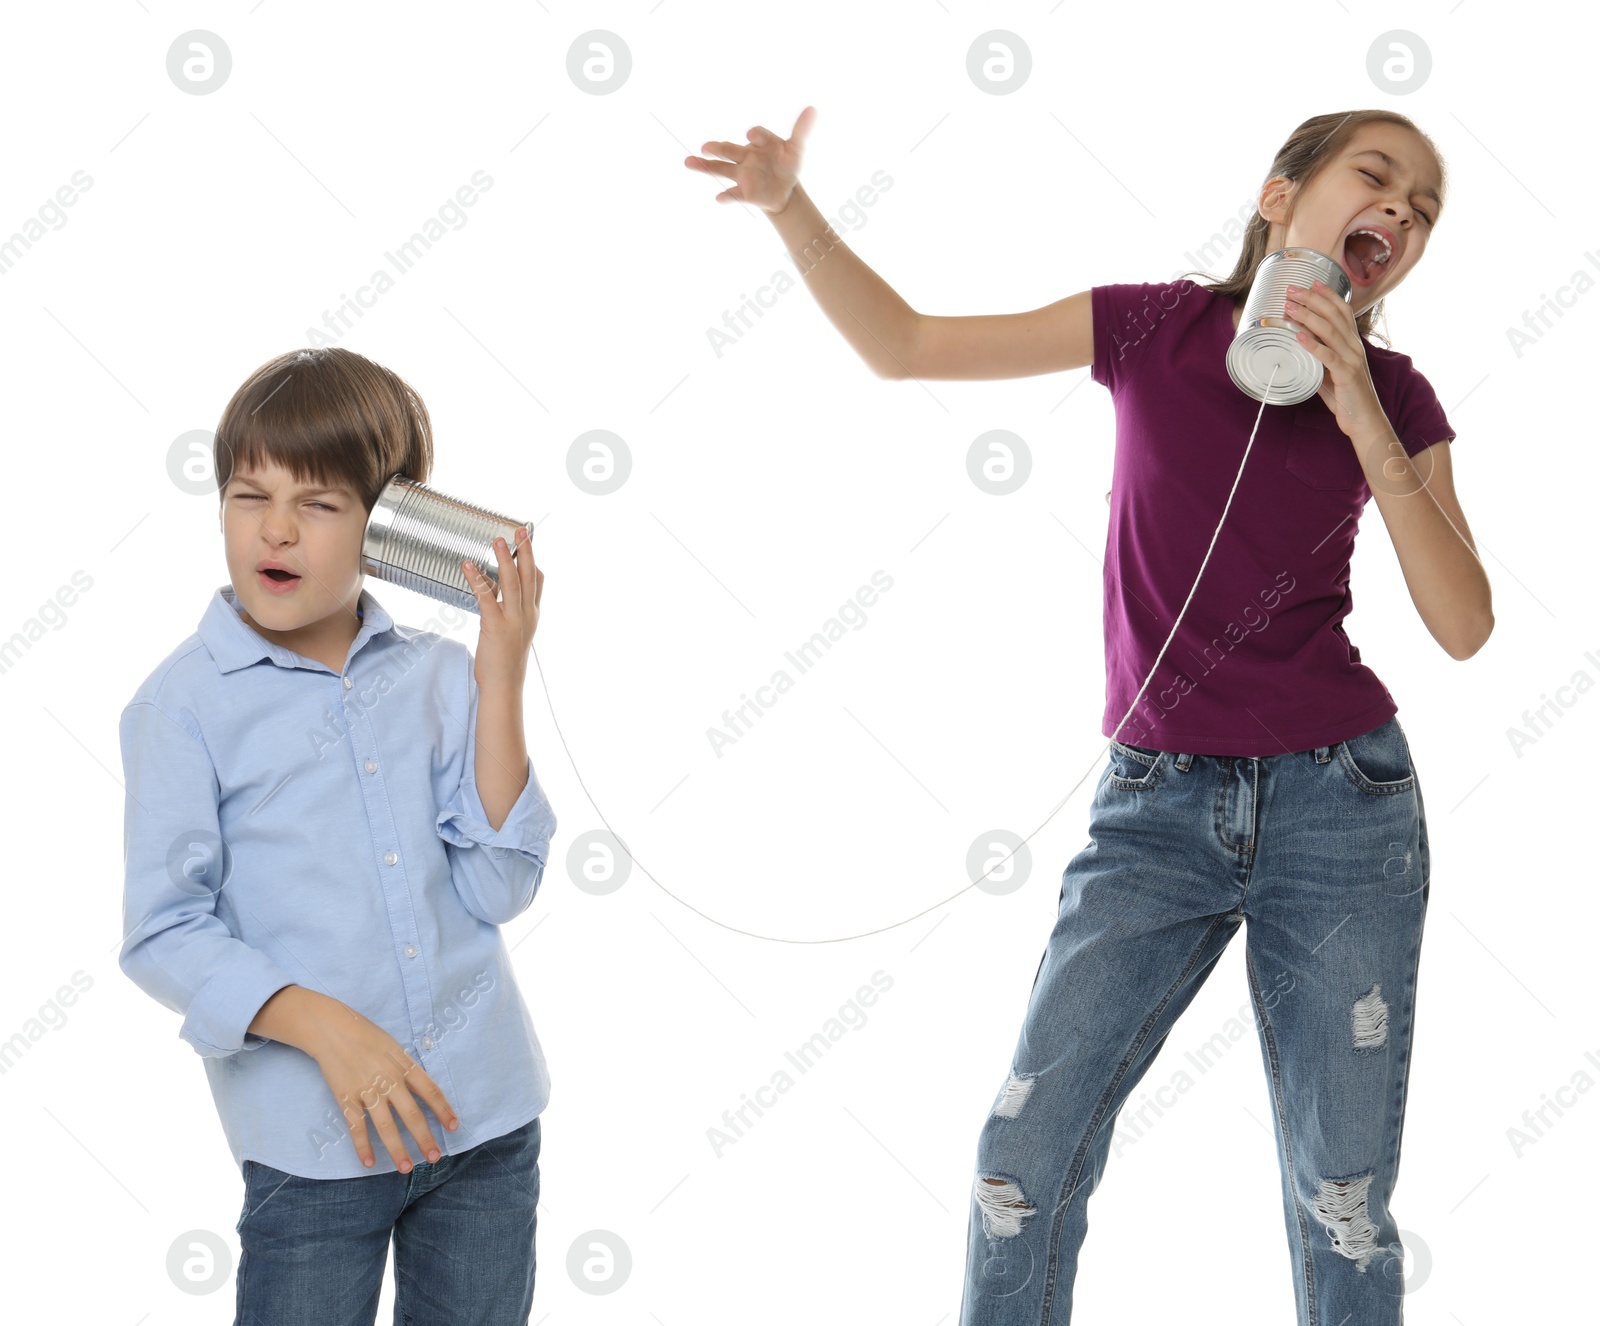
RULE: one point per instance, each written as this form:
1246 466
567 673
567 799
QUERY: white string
778 939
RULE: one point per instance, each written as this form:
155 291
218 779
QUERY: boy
328 818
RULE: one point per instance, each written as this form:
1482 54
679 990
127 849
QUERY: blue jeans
1325 852
312 1251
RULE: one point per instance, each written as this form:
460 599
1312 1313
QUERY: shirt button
348 683
389 858
372 766
411 950
427 1042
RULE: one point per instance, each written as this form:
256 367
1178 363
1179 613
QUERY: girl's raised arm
892 337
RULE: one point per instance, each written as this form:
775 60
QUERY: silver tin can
418 537
1265 340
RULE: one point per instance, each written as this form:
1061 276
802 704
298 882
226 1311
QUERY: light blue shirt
291 825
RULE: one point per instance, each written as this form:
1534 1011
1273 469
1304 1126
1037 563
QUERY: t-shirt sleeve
1421 420
1126 319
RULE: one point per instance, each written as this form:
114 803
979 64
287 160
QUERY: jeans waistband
1181 761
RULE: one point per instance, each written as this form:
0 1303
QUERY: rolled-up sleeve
175 947
496 872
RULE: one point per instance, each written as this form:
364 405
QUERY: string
840 939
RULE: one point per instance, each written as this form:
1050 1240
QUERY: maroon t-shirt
1261 664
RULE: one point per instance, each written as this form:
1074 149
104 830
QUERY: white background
768 484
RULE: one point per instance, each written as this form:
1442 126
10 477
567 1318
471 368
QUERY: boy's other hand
765 171
506 624
367 1069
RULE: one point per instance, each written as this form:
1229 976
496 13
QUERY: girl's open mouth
277 582
1366 255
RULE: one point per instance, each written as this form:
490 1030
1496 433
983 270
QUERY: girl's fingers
802 126
1307 316
724 168
732 151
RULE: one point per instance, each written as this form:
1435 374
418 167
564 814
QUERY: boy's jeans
1325 852
312 1251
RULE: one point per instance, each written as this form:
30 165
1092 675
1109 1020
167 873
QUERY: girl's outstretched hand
765 170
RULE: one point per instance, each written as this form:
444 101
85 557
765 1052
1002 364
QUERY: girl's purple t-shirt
1261 664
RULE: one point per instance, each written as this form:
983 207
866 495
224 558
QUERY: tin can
1265 340
418 537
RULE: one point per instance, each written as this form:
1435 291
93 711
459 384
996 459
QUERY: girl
1264 776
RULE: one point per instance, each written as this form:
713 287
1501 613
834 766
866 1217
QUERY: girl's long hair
1308 149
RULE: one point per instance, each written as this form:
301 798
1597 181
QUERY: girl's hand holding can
1333 340
764 171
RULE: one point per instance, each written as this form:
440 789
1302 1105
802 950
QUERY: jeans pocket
1379 762
1135 768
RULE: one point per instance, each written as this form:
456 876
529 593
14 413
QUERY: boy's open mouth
277 580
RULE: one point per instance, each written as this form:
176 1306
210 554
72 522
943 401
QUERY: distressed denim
1325 853
312 1251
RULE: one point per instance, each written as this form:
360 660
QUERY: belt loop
1183 762
1322 754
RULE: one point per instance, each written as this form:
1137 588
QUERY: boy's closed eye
253 497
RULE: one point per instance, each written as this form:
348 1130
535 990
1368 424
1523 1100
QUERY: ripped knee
1369 1020
1013 1096
1003 1207
1341 1206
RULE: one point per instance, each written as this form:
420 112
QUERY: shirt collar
233 644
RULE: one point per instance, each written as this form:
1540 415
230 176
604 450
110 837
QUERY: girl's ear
1274 199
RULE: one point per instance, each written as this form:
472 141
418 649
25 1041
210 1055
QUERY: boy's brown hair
326 415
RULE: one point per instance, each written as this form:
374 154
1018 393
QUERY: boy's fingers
509 596
417 1125
421 1084
482 587
358 1133
525 562
383 1120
